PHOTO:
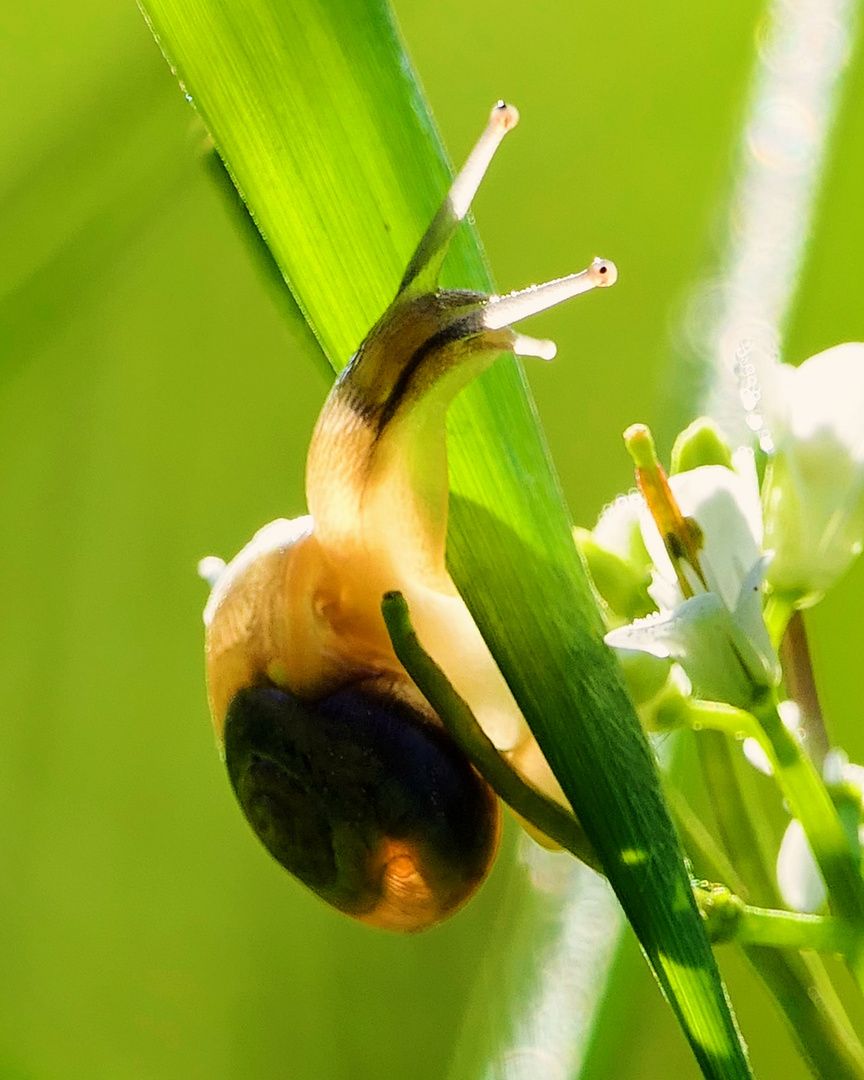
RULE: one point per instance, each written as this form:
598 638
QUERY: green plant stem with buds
729 918
808 800
798 982
811 804
776 929
801 686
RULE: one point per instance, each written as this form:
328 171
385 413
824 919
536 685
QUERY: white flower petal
701 635
748 619
790 714
666 594
757 757
814 490
798 876
826 395
617 529
665 571
722 504
836 760
717 634
655 634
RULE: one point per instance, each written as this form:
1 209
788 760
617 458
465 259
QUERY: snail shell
360 794
366 801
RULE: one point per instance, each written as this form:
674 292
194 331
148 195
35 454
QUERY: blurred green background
155 407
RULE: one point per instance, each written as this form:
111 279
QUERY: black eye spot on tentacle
364 800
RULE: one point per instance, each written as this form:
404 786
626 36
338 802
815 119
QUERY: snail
339 764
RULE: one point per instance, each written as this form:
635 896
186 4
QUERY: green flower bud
671 707
646 675
702 443
622 585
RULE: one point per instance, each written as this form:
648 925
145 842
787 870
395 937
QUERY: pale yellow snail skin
300 607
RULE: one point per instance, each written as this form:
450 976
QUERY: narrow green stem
729 919
790 930
543 813
801 685
706 855
738 834
799 984
810 803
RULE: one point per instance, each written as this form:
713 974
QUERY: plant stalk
801 686
797 981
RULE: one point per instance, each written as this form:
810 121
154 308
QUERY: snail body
339 763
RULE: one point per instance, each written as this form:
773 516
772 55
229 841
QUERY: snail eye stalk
421 275
366 801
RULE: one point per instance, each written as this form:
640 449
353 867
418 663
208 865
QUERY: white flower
814 487
801 884
710 613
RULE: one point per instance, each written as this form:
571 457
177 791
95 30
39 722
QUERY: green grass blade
315 111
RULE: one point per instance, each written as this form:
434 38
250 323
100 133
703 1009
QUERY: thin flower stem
709 860
790 930
729 919
811 804
799 983
801 685
734 821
